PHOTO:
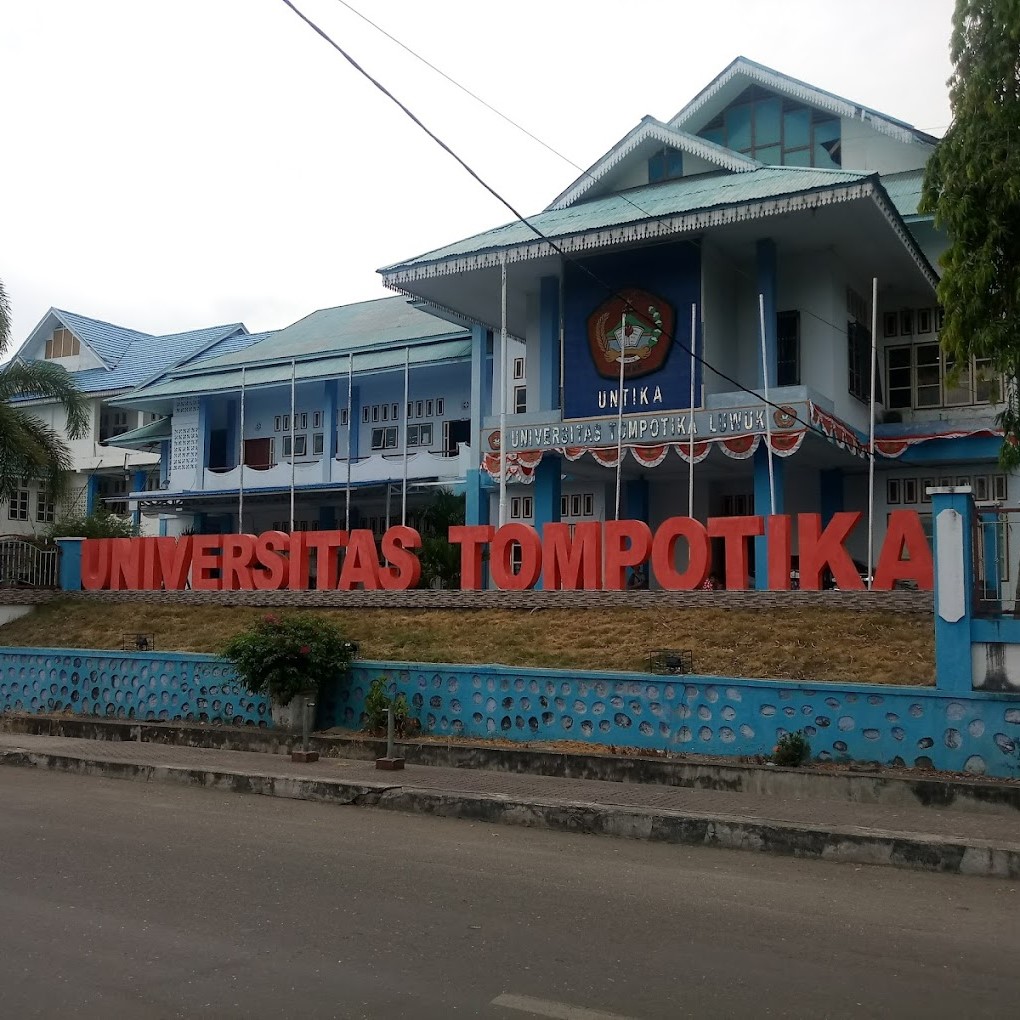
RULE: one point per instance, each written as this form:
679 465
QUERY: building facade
352 416
106 361
748 229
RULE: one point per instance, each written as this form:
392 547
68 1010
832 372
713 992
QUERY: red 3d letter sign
594 556
268 562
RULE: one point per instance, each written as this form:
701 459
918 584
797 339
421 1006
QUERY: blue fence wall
144 686
976 732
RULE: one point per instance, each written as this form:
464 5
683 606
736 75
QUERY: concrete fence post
953 533
69 563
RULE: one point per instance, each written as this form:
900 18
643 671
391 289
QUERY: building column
233 432
138 486
763 507
204 437
636 502
953 532
354 424
476 510
92 494
329 428
548 396
830 495
548 487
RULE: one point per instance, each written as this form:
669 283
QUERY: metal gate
25 563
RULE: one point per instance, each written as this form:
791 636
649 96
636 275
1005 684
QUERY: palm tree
29 448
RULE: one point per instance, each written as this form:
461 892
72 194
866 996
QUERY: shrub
98 524
291 655
377 701
792 750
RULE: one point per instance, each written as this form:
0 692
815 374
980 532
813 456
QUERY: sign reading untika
588 556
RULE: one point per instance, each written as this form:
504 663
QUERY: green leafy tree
290 655
440 560
972 185
29 448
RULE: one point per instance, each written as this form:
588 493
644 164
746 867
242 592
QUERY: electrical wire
535 230
552 149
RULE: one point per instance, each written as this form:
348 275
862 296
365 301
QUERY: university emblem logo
634 325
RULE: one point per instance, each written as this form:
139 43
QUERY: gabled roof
150 357
107 341
682 195
651 129
742 72
384 322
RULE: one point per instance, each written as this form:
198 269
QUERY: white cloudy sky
170 164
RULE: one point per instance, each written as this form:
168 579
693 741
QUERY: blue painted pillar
768 286
330 421
762 506
92 494
548 487
70 563
636 502
164 461
354 424
830 485
138 486
547 491
548 396
476 509
953 533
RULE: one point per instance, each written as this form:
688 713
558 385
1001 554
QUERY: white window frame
518 368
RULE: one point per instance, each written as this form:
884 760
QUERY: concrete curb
946 793
849 844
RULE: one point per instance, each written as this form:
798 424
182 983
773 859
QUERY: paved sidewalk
975 843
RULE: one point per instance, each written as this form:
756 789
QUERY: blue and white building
106 362
762 190
353 415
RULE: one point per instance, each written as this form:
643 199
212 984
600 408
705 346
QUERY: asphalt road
124 900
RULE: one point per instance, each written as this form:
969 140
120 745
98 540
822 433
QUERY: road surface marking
556 1010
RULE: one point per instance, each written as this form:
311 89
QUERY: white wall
869 151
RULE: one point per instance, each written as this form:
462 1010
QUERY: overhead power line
523 219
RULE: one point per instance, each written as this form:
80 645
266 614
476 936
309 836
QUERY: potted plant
291 659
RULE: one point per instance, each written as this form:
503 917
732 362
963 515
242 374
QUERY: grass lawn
797 644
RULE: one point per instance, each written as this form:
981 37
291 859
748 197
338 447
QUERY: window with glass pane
929 383
737 121
899 366
826 150
957 384
425 435
317 444
286 446
987 385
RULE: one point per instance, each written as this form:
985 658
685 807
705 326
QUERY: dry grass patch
789 644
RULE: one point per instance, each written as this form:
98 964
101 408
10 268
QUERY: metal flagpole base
304 756
389 764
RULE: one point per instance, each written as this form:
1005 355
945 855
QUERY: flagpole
403 494
502 394
619 410
690 478
350 433
768 412
871 431
293 378
240 484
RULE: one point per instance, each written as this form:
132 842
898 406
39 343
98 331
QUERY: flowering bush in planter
289 656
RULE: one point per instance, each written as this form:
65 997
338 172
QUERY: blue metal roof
108 341
904 189
149 357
